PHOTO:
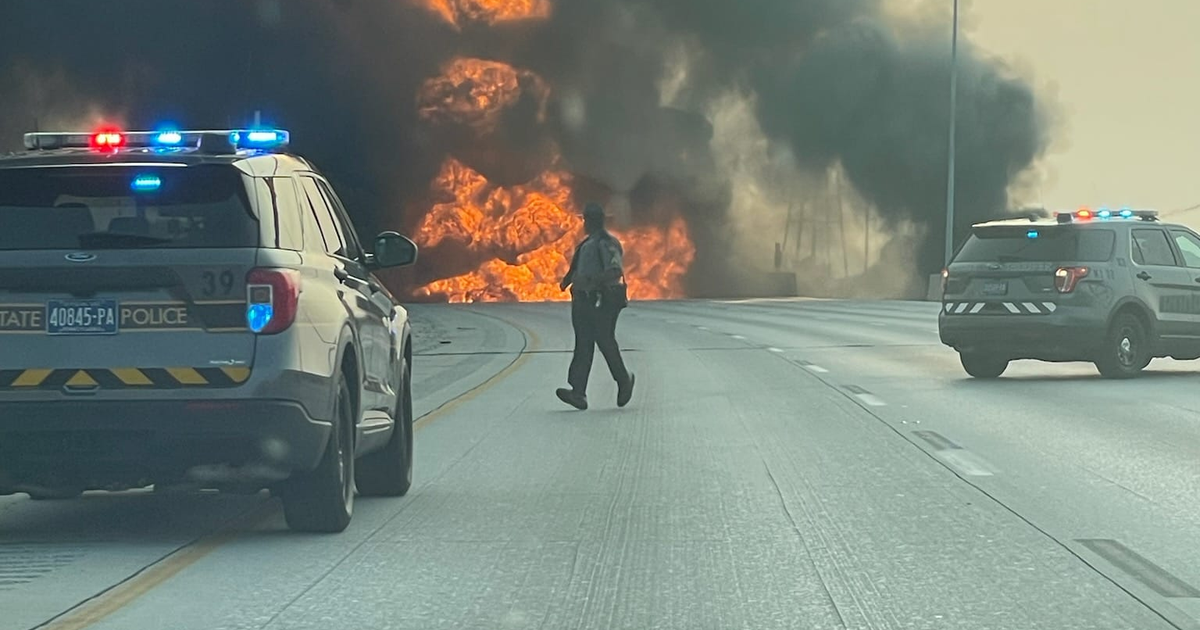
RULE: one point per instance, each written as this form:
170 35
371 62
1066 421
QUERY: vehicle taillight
945 279
1066 278
271 299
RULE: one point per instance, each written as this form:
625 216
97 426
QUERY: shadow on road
1148 375
135 516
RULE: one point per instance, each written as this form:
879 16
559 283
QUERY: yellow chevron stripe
32 378
131 376
187 376
82 379
237 374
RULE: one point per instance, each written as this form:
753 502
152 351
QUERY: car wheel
389 471
322 500
983 365
1126 348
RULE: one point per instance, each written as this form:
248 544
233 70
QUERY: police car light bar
207 140
1104 214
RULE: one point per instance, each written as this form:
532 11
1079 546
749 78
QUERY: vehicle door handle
1144 276
345 278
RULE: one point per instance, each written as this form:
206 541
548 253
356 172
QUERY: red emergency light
108 140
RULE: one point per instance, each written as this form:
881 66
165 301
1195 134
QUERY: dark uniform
597 287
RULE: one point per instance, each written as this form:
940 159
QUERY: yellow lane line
142 582
532 342
128 591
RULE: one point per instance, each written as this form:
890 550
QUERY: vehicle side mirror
394 250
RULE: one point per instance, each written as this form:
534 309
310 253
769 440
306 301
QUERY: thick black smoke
835 80
880 106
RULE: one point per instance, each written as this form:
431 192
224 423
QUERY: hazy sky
1126 76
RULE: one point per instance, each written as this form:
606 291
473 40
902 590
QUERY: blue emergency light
260 139
169 139
146 183
258 316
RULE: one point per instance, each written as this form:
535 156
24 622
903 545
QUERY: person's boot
573 398
625 391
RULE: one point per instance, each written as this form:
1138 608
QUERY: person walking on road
598 294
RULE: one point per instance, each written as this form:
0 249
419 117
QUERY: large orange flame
491 12
518 240
526 235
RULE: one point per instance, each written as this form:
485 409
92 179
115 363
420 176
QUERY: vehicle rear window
125 207
1038 244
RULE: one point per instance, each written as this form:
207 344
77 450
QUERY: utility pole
953 121
866 240
787 228
842 224
828 234
812 227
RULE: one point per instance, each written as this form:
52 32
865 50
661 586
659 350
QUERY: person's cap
593 210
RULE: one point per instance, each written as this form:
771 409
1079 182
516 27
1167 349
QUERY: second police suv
1114 287
196 308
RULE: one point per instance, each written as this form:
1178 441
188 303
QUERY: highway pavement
784 464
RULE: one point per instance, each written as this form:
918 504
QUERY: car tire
983 365
322 500
1125 351
389 471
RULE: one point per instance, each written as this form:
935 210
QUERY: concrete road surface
784 464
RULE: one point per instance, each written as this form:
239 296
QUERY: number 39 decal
216 283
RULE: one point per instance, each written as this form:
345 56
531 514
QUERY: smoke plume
622 94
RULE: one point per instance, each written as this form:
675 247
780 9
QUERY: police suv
194 308
1114 287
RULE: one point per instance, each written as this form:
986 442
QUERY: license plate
81 317
995 288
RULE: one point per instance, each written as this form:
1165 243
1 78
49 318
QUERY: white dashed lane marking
812 367
775 350
865 396
955 456
1141 568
